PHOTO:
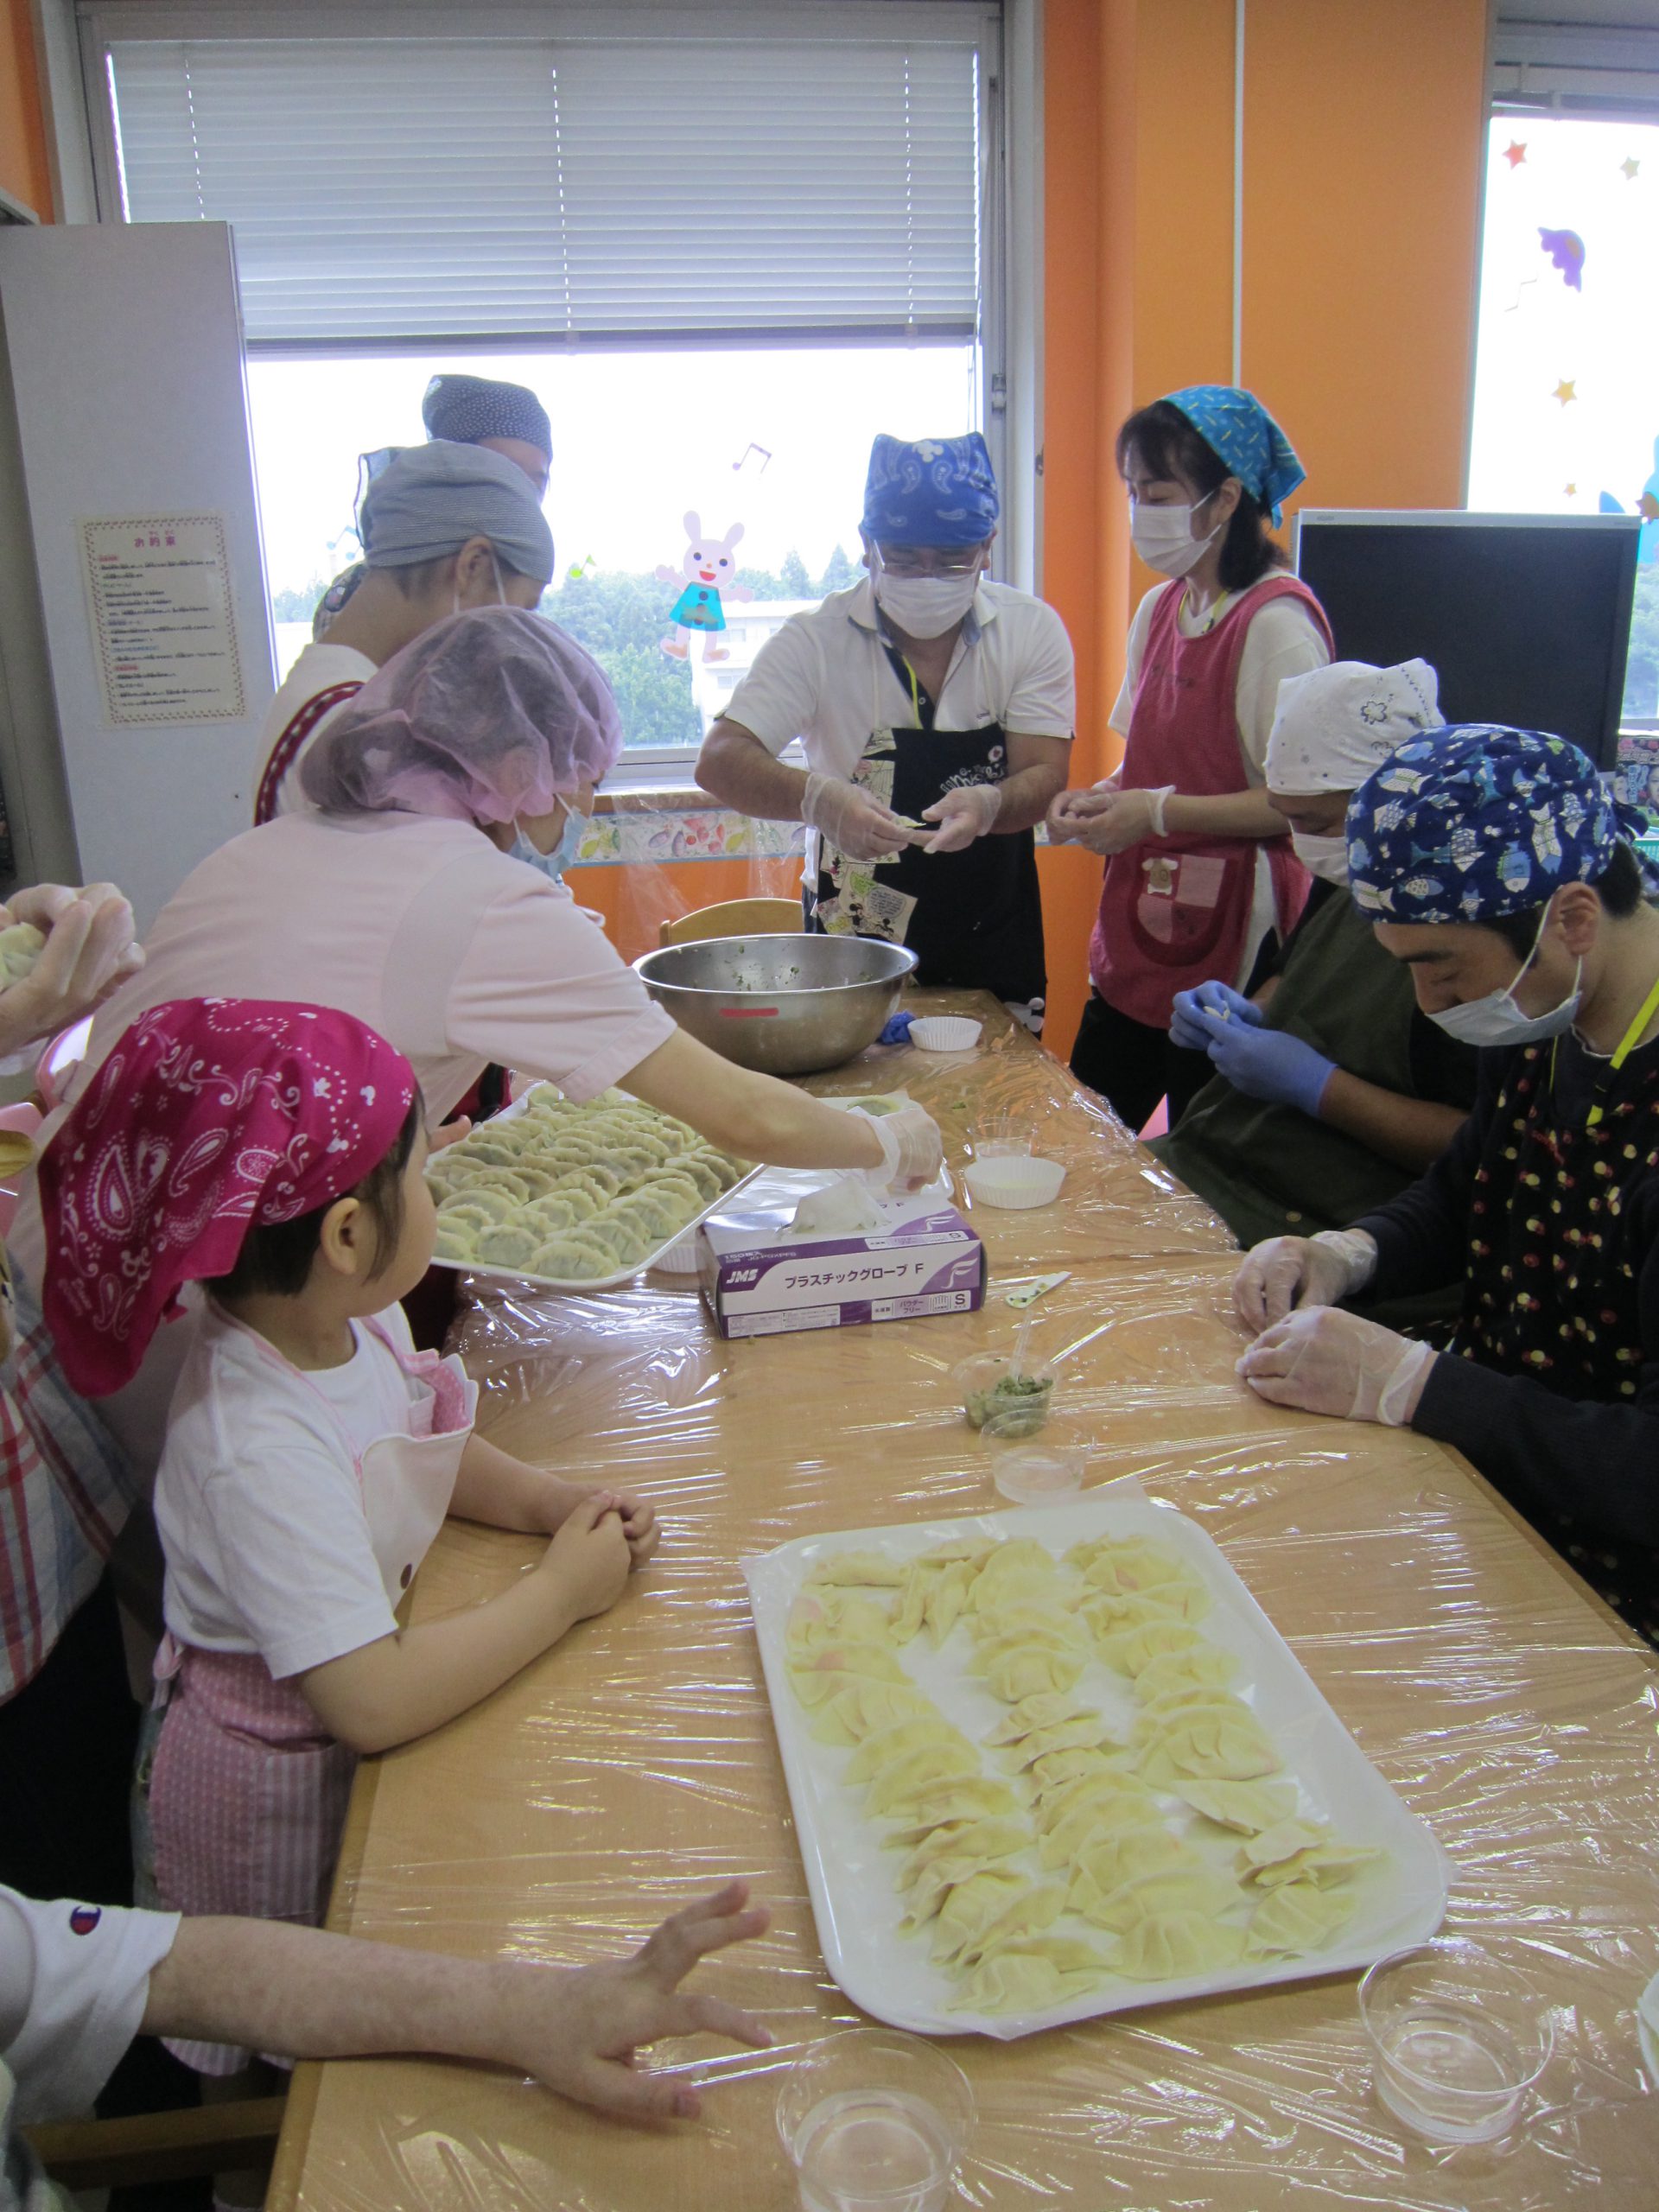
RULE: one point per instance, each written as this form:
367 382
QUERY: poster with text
159 588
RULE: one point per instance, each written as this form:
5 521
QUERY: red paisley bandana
211 1117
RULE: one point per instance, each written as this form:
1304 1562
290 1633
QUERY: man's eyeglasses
929 560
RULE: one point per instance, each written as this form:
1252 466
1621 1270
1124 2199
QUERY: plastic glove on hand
1266 1063
1331 1363
89 952
912 1151
1186 1027
854 822
964 814
1285 1272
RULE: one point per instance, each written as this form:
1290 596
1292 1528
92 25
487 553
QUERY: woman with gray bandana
445 527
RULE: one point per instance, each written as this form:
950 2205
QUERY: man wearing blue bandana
936 709
1493 865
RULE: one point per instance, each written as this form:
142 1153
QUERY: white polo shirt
826 678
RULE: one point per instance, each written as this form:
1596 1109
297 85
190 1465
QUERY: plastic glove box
761 1276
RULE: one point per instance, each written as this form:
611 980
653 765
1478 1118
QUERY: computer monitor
1527 618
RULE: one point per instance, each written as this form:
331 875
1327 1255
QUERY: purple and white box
761 1277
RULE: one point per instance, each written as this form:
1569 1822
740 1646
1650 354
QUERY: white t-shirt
268 1545
319 668
826 678
1282 640
455 953
75 1980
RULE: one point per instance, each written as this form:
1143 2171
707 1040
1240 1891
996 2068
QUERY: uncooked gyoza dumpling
1046 1710
974 1906
1110 1861
818 1676
1179 1889
974 1796
879 1750
997 1838
1284 1839
1131 1648
943 1603
869 1570
1027 1914
817 1619
861 1708
1168 1944
1087 1819
1322 1864
1248 1807
1021 1673
1297 1917
1204 1747
1020 1560
1203 1666
1031 1974
937 1880
1083 1733
1186 1710
907 1782
1172 1601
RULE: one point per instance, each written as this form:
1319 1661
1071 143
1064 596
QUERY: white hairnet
429 500
1335 726
488 715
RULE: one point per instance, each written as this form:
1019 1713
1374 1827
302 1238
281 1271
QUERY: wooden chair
736 917
159 2146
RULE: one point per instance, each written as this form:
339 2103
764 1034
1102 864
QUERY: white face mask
1326 857
1496 1019
926 607
1163 536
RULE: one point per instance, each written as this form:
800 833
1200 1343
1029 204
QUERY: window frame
1008 33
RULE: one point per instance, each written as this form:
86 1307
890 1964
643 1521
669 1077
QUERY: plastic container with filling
991 1390
1014 1184
1459 2034
945 1033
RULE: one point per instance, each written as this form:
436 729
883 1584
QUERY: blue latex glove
897 1031
1186 1022
1268 1064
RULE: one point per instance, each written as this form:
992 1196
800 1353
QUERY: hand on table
89 952
588 1559
964 815
1284 1272
912 1151
639 1519
578 2029
1328 1361
1263 1063
1186 1024
854 822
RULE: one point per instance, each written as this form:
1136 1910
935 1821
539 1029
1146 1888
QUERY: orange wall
1362 131
24 170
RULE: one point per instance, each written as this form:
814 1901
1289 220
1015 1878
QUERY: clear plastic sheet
636 1764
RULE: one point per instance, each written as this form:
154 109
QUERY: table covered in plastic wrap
635 1766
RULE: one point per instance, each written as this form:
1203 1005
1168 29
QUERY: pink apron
1174 911
248 1792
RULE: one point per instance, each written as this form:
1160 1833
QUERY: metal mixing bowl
787 1005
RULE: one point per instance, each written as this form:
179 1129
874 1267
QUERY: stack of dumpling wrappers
1053 1856
575 1192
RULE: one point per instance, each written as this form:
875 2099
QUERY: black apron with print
1555 1270
976 923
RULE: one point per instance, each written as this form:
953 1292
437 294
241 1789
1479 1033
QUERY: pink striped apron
248 1792
292 742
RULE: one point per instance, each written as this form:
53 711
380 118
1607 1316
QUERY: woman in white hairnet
399 900
1333 1091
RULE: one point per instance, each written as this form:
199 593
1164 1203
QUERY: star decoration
1565 389
1571 490
1629 169
1514 153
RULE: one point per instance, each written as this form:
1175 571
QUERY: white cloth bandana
1335 726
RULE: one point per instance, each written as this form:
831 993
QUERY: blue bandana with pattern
935 492
1238 428
1478 822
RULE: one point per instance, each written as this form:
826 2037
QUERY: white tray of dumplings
575 1197
1057 1762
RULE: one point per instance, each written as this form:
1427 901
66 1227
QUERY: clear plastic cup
875 2120
1458 2033
1001 1136
1045 1469
992 1390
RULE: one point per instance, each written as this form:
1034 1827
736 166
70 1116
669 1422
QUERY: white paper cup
946 1033
1014 1183
1458 2037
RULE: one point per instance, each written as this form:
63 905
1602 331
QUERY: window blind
385 189
1588 69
